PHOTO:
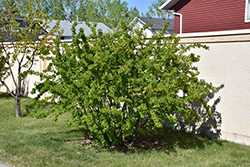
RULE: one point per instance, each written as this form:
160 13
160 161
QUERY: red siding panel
210 15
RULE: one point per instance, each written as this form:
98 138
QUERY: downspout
178 14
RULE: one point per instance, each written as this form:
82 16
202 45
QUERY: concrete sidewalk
3 165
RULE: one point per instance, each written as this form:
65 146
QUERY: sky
141 5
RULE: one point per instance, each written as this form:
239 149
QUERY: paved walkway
3 165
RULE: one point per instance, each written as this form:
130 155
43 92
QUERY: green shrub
118 85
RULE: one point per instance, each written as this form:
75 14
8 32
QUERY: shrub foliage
118 85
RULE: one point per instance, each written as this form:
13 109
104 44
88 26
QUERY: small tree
21 45
118 85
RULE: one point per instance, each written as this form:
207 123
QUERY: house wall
210 15
226 65
29 81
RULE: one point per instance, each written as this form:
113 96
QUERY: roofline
138 18
168 4
141 21
132 22
150 28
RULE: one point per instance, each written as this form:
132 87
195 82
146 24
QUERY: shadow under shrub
120 85
164 139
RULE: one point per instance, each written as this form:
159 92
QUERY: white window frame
247 11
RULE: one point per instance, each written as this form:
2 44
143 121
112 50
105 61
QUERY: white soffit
168 4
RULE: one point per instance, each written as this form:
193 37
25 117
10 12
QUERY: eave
168 4
139 20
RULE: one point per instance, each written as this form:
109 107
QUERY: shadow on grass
27 106
69 141
167 140
30 107
5 95
164 140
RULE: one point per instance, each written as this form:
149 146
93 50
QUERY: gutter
178 14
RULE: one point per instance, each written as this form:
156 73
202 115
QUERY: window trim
247 10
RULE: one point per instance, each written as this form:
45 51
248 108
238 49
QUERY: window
247 11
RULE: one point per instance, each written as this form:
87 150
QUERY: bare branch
32 62
33 55
7 88
23 55
9 66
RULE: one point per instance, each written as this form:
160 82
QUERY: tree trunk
17 95
17 104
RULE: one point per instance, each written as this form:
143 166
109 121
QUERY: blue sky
141 5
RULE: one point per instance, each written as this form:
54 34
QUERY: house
5 36
212 15
224 26
67 25
158 24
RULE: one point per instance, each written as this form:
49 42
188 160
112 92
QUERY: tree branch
32 62
8 63
23 55
7 88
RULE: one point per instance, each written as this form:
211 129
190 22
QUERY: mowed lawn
28 141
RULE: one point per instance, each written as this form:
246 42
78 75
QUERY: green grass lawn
27 141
